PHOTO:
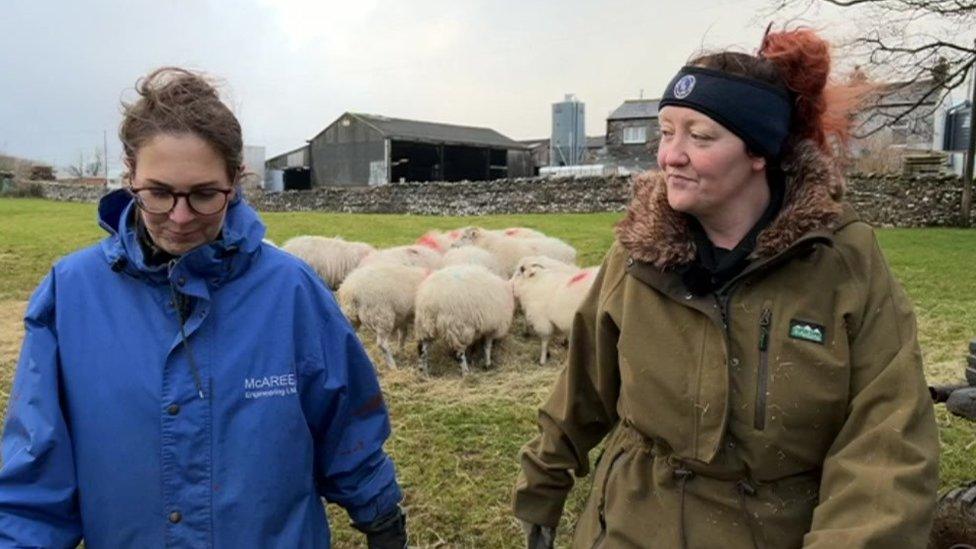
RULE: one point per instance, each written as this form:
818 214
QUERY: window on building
635 135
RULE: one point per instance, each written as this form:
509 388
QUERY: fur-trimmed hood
654 233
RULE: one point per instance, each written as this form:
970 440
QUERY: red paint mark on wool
510 232
577 277
430 242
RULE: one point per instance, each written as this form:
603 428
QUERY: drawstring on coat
743 489
683 475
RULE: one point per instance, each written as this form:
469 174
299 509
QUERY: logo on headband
684 86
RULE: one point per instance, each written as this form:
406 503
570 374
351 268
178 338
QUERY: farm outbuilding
365 149
291 170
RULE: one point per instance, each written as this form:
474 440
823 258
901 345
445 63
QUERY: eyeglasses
159 200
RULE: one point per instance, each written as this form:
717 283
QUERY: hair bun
803 59
173 87
823 109
175 100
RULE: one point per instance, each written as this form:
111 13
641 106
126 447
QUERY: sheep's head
469 236
529 267
361 249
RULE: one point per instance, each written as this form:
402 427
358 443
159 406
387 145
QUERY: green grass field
455 441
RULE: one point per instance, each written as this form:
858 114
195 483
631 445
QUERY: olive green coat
788 410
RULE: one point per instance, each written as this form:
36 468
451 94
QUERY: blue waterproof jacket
117 435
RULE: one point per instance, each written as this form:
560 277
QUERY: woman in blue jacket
182 383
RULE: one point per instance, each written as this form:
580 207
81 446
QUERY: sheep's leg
463 357
402 333
544 353
384 343
488 342
422 348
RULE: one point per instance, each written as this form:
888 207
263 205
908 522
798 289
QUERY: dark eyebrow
194 186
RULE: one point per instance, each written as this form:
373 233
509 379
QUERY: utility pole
967 176
105 154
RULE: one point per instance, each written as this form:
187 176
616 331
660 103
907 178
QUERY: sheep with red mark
439 241
522 232
509 250
549 293
412 255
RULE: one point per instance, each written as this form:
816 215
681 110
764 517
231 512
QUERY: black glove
386 532
538 536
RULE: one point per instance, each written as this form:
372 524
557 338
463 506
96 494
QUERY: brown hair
799 60
178 101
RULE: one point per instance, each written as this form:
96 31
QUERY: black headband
757 112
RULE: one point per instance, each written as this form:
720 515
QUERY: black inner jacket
714 266
156 256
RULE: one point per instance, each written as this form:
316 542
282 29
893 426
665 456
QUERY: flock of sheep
461 286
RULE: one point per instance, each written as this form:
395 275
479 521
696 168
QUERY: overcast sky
291 67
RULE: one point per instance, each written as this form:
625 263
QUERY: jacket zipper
762 376
603 500
177 304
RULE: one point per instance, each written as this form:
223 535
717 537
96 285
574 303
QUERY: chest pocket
803 377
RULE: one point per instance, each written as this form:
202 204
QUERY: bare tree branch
918 50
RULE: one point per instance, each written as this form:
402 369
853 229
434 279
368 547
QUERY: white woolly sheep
438 241
332 258
549 293
413 256
380 297
462 304
473 255
521 232
509 250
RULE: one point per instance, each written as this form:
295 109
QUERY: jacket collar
653 233
217 261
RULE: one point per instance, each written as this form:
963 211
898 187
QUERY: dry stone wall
883 200
591 194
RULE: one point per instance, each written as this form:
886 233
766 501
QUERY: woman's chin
679 202
177 247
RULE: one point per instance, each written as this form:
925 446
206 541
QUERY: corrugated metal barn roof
432 132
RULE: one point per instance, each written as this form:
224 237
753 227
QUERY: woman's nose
181 212
672 154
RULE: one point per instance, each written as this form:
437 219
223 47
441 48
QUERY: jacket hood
654 233
221 259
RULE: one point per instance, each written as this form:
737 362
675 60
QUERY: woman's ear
758 161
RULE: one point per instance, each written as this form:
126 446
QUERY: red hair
823 109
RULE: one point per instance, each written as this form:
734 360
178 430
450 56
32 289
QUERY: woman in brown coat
745 346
